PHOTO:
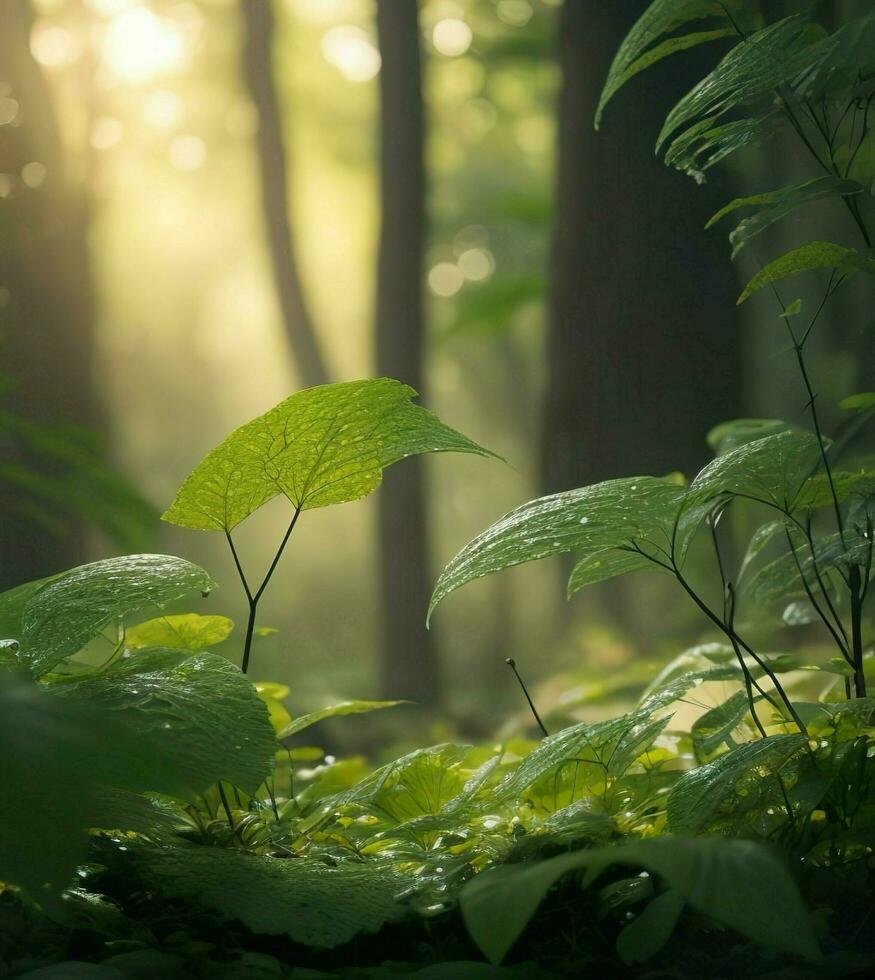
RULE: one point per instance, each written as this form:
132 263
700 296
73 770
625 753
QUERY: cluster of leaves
145 773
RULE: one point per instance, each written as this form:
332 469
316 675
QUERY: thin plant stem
253 597
512 664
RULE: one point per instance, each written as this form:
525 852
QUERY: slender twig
512 664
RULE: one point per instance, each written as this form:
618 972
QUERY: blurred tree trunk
258 18
409 666
46 298
642 352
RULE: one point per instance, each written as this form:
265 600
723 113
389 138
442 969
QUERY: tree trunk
273 172
46 299
642 352
409 666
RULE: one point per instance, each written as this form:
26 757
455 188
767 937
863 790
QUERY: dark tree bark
258 18
642 351
409 666
47 304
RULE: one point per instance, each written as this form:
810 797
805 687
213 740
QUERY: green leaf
593 521
737 883
641 48
813 255
777 204
609 746
846 66
322 446
13 602
715 727
773 469
336 710
860 403
648 932
197 713
310 902
62 616
747 75
705 144
188 631
730 435
699 794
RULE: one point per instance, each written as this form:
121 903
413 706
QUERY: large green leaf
738 883
777 204
846 66
697 797
812 255
63 615
642 46
310 902
197 713
592 521
54 755
707 142
748 74
336 710
321 446
773 469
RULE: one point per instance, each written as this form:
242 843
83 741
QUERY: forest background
205 206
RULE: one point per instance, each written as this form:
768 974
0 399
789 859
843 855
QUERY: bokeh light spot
33 174
452 36
139 45
106 131
445 279
351 51
188 153
52 46
516 13
163 109
8 110
476 263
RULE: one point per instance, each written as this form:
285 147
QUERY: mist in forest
206 206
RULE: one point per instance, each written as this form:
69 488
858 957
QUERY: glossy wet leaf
197 713
807 258
306 900
647 42
747 75
735 882
772 469
187 631
698 796
321 446
730 435
774 205
71 609
335 711
593 522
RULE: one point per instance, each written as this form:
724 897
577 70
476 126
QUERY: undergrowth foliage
160 813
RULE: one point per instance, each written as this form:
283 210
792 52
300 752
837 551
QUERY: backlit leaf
336 710
321 446
187 631
805 258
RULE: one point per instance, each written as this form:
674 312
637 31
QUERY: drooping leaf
707 142
592 521
735 882
197 713
336 710
321 446
774 205
188 631
846 66
306 900
747 75
812 255
13 603
649 931
62 616
641 47
697 797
